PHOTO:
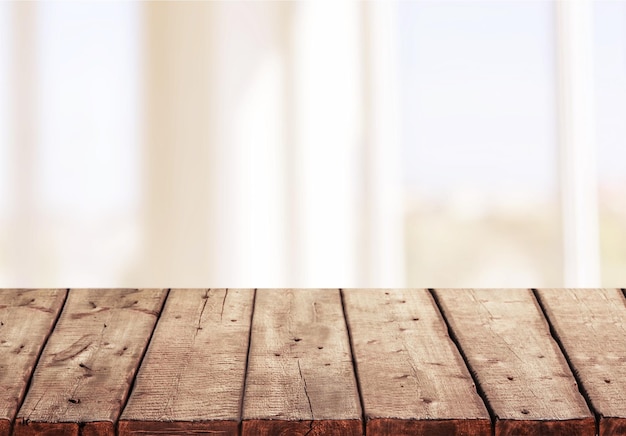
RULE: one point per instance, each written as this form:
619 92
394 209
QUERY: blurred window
610 84
86 169
479 120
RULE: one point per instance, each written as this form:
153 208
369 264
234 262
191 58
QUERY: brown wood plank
591 326
413 379
26 319
300 376
85 371
525 378
191 379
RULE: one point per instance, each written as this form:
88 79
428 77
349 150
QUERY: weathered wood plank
300 375
591 326
85 371
518 365
191 379
26 319
413 379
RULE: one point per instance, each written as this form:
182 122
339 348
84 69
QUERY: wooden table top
313 361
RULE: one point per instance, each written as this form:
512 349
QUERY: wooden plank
85 371
300 376
191 379
518 365
26 319
591 326
413 379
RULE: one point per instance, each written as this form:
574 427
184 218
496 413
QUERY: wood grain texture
300 375
26 319
192 376
591 326
524 376
413 379
86 369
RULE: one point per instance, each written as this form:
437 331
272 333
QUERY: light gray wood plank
191 379
519 366
413 379
300 374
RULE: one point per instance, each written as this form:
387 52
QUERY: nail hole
416 319
297 339
73 401
320 348
510 378
525 411
606 380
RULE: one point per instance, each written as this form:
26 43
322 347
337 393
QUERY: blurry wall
309 144
195 144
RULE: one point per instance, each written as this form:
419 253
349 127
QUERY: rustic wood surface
89 362
525 378
301 362
413 379
300 375
26 320
192 376
591 326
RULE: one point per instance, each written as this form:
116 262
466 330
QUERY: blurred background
305 144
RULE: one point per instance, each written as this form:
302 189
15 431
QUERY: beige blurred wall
265 154
260 127
207 189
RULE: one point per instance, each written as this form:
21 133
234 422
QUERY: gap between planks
245 374
572 368
354 363
143 355
455 341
